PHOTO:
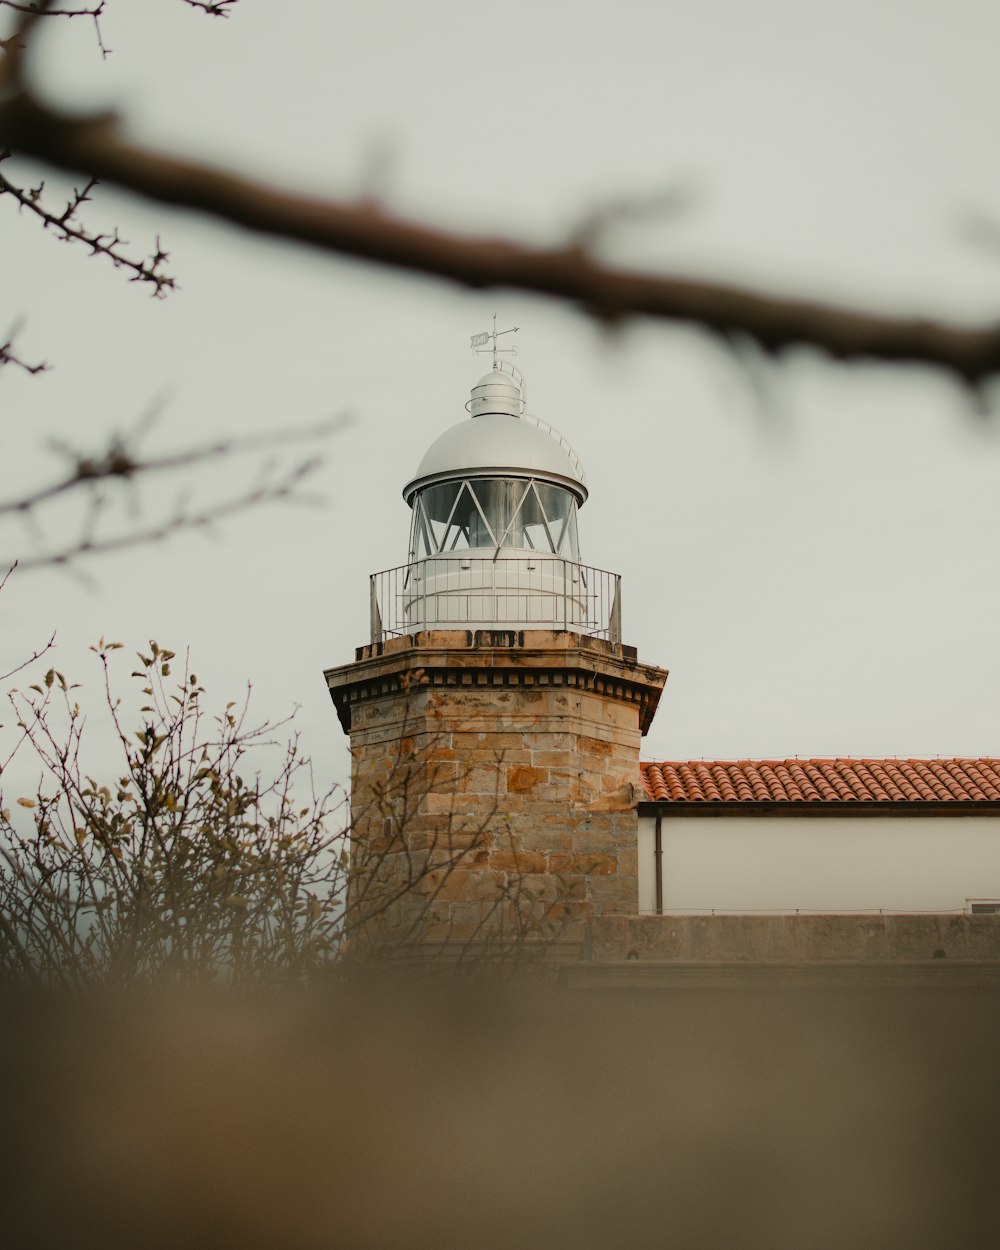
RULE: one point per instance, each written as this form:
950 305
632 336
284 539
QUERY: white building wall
820 863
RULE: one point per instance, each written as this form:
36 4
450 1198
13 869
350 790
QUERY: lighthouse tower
495 714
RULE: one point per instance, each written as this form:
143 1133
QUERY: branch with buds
49 10
67 227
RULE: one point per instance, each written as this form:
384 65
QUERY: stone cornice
532 659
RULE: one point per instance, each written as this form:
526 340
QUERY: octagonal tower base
494 786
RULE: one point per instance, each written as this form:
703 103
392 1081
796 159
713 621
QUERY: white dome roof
496 392
498 444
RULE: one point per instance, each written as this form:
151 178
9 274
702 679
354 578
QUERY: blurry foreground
499 1115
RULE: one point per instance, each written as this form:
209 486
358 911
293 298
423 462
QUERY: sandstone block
556 740
459 807
595 746
450 886
519 862
522 779
587 865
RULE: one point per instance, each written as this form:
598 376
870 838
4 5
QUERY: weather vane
479 342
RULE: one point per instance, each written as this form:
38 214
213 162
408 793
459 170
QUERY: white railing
522 591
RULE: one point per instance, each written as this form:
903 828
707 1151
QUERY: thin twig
35 655
45 10
216 8
109 245
7 357
42 10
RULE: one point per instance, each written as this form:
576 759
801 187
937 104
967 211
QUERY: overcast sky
812 553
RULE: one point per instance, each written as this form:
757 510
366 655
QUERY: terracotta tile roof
822 781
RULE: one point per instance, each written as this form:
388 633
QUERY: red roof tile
822 781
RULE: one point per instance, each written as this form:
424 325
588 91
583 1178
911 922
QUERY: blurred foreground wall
481 1114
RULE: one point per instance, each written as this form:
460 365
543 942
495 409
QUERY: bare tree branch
7 356
220 8
120 464
94 145
45 9
109 245
104 480
35 655
284 489
120 460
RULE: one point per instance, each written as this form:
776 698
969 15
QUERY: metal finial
479 341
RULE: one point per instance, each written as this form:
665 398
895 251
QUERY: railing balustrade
475 592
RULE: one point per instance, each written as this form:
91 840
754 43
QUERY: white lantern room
493 533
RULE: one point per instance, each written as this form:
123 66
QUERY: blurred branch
218 9
283 489
7 357
981 232
119 460
119 463
670 202
95 146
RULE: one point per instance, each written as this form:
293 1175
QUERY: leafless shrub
181 864
184 861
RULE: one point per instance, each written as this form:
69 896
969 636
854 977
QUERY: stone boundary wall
794 939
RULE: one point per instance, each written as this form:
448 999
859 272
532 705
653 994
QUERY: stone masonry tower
495 716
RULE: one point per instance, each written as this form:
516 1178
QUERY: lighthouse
495 713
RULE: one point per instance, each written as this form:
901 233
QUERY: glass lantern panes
494 512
